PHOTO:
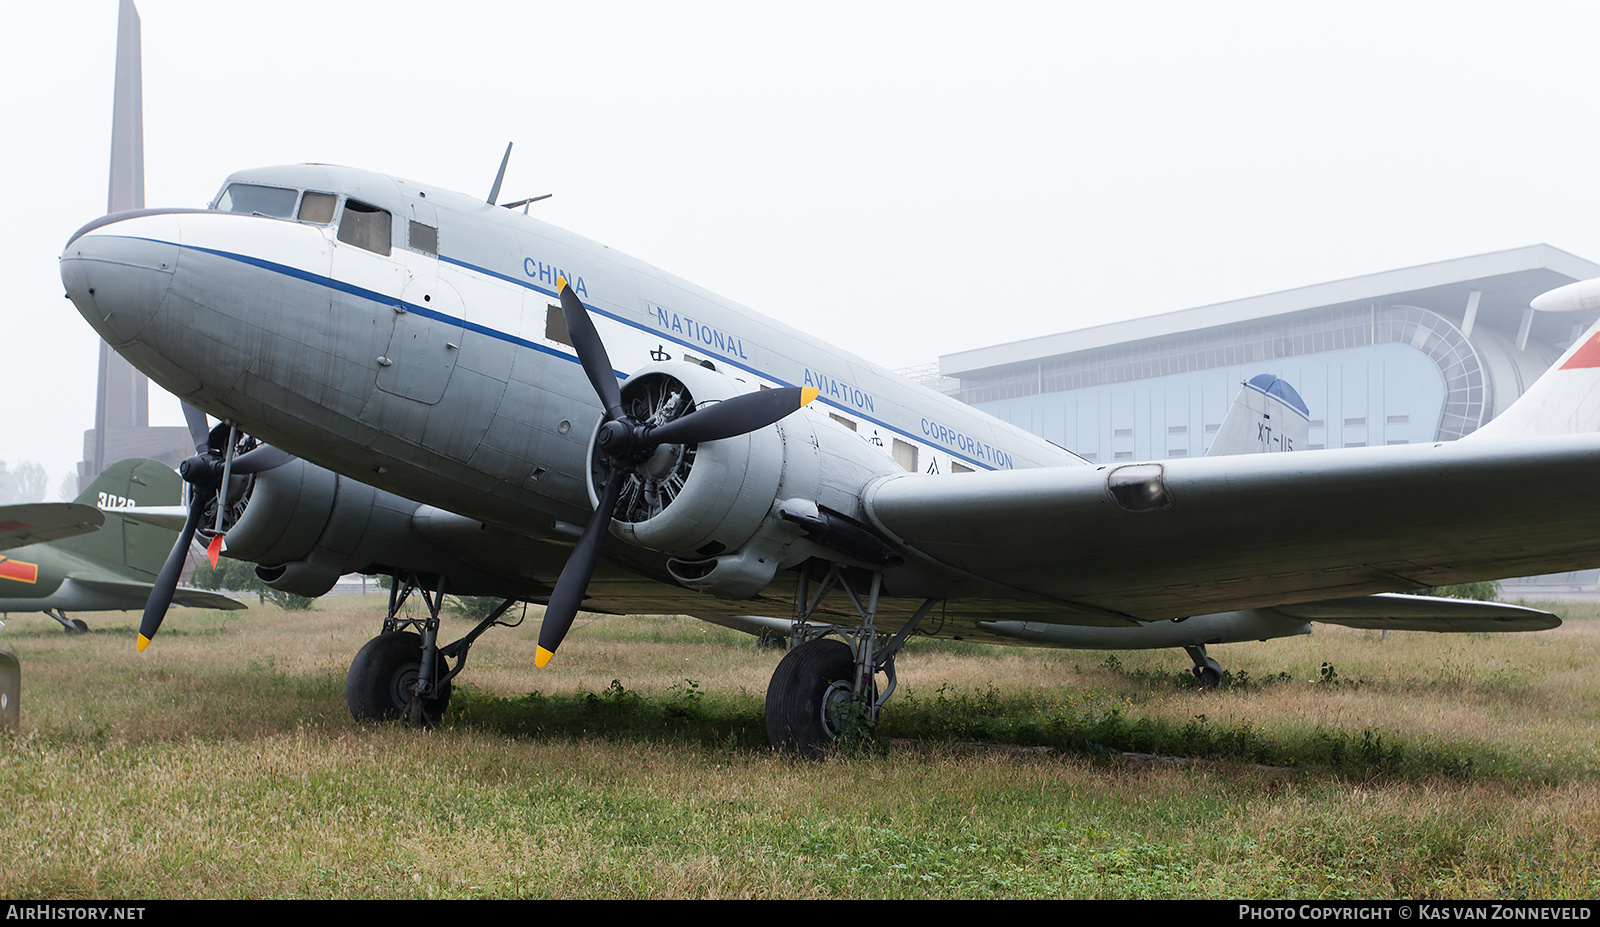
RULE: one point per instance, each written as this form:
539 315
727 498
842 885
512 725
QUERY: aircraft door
425 342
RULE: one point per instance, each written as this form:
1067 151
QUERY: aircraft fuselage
435 371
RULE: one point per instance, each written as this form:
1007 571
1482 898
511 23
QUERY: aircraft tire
806 681
1209 678
79 626
378 685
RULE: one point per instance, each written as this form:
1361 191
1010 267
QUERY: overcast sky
907 179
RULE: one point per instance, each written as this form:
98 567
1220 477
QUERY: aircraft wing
34 523
1201 535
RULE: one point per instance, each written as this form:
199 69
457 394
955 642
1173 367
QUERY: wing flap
1393 612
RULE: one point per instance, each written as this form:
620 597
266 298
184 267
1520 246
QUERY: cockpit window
256 200
317 207
366 226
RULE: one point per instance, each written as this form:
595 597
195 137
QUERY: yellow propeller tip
540 657
561 284
143 643
808 393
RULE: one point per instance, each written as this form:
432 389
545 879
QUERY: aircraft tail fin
1566 399
1267 415
121 544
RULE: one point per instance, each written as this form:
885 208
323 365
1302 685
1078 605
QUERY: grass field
223 763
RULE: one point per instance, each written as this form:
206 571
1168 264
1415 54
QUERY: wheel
1209 677
379 685
809 698
78 626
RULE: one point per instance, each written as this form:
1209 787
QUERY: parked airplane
445 350
84 556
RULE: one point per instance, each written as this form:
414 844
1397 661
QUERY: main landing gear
69 625
826 689
403 673
1207 672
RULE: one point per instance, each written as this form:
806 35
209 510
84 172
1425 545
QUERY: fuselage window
425 238
317 207
256 200
366 227
905 455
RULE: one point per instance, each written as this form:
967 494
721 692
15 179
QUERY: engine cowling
718 508
305 526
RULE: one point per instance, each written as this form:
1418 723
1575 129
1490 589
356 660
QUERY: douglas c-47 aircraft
583 429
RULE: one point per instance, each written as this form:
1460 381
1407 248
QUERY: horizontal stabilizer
1398 612
170 517
21 525
189 598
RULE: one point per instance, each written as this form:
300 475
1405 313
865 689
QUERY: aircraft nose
117 271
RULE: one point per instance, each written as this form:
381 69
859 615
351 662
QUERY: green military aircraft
84 556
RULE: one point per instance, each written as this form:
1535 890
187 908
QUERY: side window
317 207
905 455
366 227
424 238
255 200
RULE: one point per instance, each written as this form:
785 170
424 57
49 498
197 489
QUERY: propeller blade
260 460
155 608
575 576
217 440
736 415
591 351
199 433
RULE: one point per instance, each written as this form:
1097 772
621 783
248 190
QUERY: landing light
1139 488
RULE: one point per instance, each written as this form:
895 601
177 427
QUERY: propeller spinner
628 443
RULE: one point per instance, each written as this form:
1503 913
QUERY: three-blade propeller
628 443
206 473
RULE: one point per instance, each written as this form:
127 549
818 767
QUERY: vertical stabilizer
122 544
1565 400
1267 415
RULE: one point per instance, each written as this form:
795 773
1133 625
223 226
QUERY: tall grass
222 763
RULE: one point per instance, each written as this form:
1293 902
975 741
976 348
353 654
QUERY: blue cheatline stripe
374 296
665 336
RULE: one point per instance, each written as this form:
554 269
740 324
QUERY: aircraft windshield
254 199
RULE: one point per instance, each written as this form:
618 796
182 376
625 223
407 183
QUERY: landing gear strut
403 673
1207 672
69 625
826 688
